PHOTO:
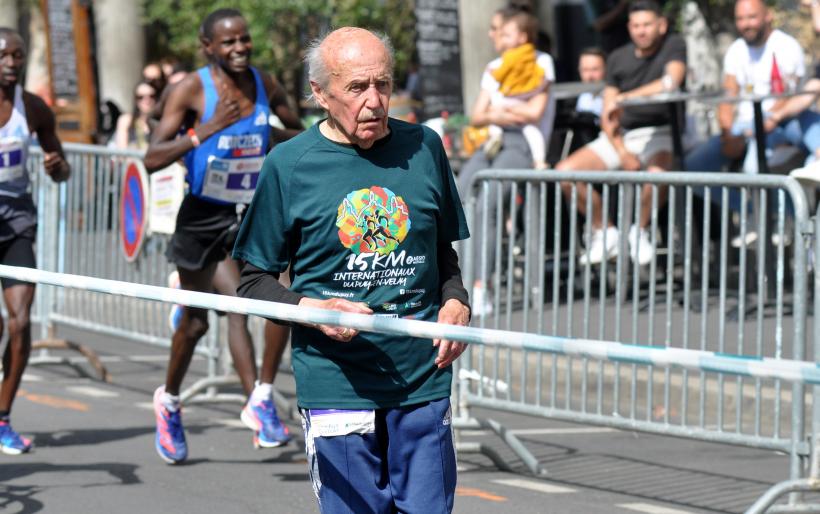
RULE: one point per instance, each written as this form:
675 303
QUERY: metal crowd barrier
78 233
753 368
729 275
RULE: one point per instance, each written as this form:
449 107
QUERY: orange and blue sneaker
261 417
170 438
10 441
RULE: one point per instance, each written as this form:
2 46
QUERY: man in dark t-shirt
632 138
363 210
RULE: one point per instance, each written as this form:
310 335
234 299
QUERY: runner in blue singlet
231 103
22 115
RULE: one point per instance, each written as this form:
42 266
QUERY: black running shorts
18 251
205 233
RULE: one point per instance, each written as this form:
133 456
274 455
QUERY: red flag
776 80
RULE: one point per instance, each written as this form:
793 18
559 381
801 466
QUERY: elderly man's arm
260 284
455 307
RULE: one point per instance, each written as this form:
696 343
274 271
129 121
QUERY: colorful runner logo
372 220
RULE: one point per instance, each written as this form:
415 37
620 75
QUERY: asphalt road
94 454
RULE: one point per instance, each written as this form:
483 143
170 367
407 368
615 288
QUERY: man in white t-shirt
760 56
513 115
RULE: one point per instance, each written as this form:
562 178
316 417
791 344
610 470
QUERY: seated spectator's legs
587 158
514 154
803 131
598 155
658 162
707 156
477 162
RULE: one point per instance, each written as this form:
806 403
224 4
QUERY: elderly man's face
358 95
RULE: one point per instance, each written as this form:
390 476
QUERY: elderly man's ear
318 95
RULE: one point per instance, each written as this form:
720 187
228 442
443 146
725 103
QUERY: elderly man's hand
453 312
337 304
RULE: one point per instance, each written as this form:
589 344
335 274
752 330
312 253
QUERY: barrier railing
79 231
798 372
720 283
728 275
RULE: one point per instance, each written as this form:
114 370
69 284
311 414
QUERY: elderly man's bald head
326 55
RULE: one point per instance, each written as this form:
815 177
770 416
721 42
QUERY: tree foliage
280 29
719 14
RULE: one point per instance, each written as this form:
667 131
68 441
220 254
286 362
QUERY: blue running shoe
261 417
10 441
170 438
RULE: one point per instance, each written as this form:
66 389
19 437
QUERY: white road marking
562 431
231 422
544 431
94 392
28 377
541 487
648 508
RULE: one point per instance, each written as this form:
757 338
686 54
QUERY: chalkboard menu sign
439 56
63 51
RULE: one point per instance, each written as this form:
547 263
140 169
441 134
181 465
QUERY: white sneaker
640 246
808 173
748 240
481 304
598 248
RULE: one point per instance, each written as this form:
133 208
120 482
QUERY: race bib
232 180
335 422
11 159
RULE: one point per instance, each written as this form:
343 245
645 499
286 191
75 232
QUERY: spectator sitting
748 66
631 138
591 68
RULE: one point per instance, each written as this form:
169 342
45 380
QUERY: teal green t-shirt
363 225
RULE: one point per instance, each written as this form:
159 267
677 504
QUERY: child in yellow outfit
520 77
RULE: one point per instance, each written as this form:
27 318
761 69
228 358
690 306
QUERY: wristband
194 138
668 83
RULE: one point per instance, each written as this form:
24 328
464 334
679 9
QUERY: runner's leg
191 328
276 340
18 300
225 281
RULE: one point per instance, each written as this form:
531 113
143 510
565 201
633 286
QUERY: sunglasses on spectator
143 97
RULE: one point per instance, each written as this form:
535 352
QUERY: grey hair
317 67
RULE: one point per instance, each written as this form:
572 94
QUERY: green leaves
280 29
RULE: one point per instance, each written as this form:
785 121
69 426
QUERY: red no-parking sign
133 209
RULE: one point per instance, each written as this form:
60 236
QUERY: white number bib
11 159
232 180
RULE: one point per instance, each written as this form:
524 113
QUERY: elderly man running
375 408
